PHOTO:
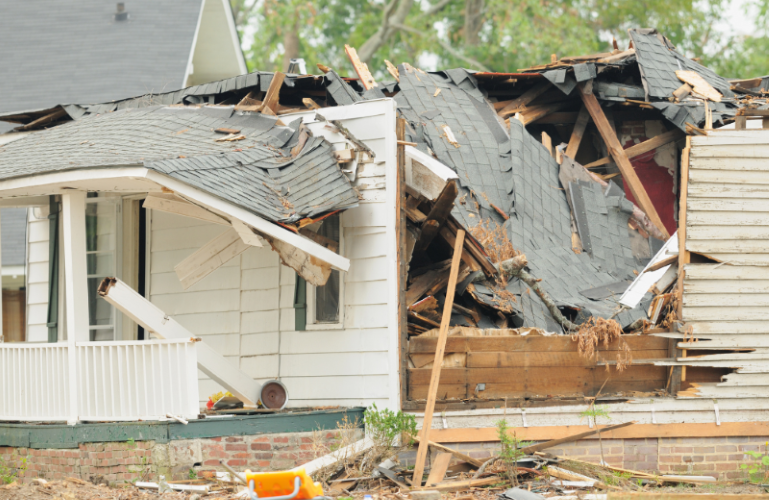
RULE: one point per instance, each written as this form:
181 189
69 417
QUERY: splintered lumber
683 254
273 92
576 437
438 470
578 132
643 147
659 265
618 153
419 466
466 458
361 68
393 70
51 117
437 216
518 104
699 85
310 104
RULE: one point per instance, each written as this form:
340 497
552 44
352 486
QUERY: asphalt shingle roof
74 51
257 173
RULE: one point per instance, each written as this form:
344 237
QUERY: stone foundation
130 461
719 457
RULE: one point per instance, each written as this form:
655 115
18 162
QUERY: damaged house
566 234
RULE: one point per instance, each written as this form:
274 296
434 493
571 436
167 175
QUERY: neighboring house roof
13 222
258 172
75 51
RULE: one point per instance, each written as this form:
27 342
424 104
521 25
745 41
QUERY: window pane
99 226
101 264
99 310
327 296
327 300
102 335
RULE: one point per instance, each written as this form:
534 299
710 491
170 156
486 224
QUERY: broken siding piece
177 206
210 257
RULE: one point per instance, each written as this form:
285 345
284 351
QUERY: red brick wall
719 457
146 460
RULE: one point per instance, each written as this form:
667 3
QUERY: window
325 302
102 231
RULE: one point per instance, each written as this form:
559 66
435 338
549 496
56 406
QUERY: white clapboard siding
251 298
726 305
37 278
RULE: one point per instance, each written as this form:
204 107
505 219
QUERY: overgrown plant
9 473
386 427
510 451
594 412
758 472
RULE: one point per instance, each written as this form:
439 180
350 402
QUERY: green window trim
300 304
53 270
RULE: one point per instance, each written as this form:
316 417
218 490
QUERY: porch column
75 287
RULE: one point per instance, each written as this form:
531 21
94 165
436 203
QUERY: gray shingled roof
515 173
658 61
73 51
257 173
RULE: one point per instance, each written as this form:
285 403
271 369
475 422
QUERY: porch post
75 286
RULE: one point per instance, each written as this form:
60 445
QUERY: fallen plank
465 485
664 262
576 437
210 257
458 454
577 133
419 466
438 469
334 457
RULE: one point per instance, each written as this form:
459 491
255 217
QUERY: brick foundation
719 457
146 460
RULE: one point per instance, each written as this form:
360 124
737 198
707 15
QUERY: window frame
117 257
312 322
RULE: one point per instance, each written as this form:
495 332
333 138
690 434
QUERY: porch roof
260 168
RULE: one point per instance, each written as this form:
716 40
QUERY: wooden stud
424 435
548 143
437 216
393 70
643 147
577 133
618 153
366 79
740 122
517 104
273 92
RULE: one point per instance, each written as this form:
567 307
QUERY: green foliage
595 411
8 473
510 450
192 474
512 35
758 472
131 443
386 426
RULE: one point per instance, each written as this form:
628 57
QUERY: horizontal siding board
754 246
192 302
692 313
729 327
164 262
726 299
266 278
707 232
260 367
202 323
529 344
260 322
724 287
721 272
38 231
728 205
366 293
185 238
337 387
729 137
373 269
707 190
38 272
728 176
713 218
334 341
226 277
333 364
366 215
260 343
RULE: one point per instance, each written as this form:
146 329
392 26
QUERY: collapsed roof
584 238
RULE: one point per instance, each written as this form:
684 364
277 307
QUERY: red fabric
658 184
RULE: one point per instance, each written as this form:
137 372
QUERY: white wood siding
727 304
245 308
37 278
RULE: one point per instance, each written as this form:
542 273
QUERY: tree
494 35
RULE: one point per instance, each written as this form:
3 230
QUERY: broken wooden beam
618 153
461 456
518 104
577 133
568 439
437 216
361 68
644 147
273 92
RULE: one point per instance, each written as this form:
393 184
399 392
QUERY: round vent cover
274 395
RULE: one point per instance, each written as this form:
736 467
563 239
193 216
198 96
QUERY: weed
131 443
758 472
510 451
595 412
386 427
8 473
192 474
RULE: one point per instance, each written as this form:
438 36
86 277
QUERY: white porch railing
115 381
34 382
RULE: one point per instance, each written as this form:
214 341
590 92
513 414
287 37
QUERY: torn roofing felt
513 180
257 173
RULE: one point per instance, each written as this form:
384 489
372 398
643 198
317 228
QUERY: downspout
53 270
